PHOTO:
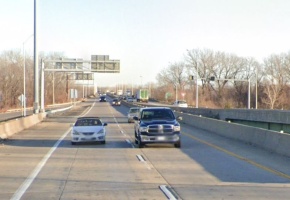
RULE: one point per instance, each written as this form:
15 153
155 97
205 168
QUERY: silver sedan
88 129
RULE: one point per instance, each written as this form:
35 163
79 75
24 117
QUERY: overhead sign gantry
97 64
81 68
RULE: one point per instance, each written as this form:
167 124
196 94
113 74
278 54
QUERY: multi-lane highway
41 163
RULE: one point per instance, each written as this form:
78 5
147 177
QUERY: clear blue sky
147 35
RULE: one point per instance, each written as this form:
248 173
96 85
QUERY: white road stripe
25 185
140 158
22 189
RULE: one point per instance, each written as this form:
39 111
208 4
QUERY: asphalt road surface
40 163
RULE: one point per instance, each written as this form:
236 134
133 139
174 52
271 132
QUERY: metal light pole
42 87
176 92
24 75
249 94
196 95
53 98
36 70
256 87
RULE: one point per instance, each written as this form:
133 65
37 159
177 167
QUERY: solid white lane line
25 185
22 189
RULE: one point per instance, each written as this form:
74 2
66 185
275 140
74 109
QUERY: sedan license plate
87 139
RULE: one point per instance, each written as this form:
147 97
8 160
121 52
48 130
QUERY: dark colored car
157 125
116 102
103 99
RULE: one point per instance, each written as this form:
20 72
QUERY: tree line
12 80
223 80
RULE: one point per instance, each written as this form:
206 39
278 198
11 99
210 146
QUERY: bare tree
174 76
216 66
247 75
275 80
11 77
201 64
55 82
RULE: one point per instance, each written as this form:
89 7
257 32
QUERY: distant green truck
142 95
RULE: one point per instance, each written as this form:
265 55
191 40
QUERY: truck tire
140 144
177 144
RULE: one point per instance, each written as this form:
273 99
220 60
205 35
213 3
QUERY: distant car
88 129
129 99
180 104
134 111
103 99
116 102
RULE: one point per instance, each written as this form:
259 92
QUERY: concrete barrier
266 139
11 127
270 140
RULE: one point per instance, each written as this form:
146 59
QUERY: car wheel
177 144
73 143
103 142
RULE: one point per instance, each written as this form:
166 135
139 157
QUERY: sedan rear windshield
88 122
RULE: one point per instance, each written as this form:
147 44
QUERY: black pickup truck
157 125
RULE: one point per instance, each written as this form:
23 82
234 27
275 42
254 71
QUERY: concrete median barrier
11 127
7 129
270 140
